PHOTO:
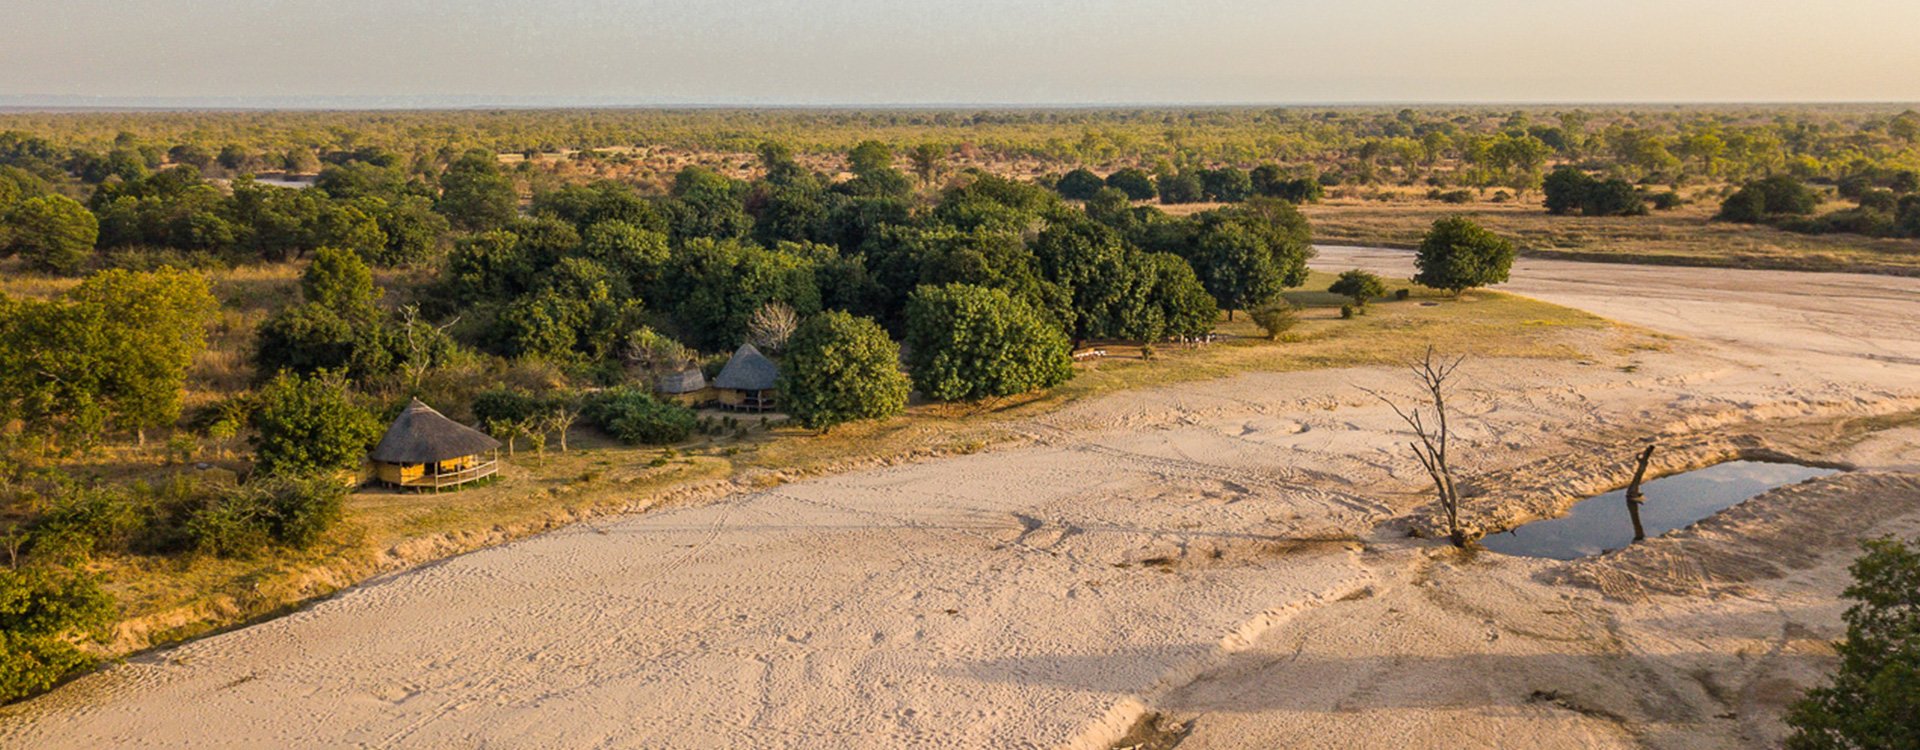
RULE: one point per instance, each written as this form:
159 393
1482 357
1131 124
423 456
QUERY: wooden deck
439 482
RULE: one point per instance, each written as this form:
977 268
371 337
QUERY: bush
1079 185
42 611
1402 294
1451 196
1276 318
292 510
51 232
633 416
1874 699
1359 286
1667 201
1458 254
1136 183
308 425
1764 200
840 368
971 342
1181 188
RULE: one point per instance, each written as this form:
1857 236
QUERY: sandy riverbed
1214 551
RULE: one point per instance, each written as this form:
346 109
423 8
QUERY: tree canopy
840 368
1458 254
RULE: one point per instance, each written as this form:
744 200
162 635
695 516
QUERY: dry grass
1684 236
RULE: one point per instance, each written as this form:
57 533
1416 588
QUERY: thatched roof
421 435
747 370
685 381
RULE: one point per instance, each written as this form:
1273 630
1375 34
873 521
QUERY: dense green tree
308 425
1874 698
1458 254
791 204
839 368
705 203
52 232
1185 308
1236 266
413 231
1079 184
1184 187
871 163
475 195
341 281
1226 184
111 355
1136 183
1359 286
719 284
1763 200
601 201
639 255
970 342
1566 190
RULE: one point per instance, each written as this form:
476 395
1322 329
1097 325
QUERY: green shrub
292 510
633 416
1348 311
78 523
1276 318
1359 286
42 612
1874 699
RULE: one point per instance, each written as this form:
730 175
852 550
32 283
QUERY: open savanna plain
1221 547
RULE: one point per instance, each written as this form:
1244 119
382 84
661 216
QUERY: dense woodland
544 269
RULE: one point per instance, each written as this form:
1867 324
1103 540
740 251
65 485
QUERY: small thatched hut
747 382
687 388
425 450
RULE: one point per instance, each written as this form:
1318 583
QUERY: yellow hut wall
400 473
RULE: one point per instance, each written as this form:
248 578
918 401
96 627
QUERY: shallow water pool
1600 523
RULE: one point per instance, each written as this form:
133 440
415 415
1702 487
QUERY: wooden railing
463 476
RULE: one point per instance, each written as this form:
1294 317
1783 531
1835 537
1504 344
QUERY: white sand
1046 595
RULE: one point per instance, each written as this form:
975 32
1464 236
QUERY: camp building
425 450
747 382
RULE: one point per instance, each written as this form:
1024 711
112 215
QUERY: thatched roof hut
747 382
689 380
424 449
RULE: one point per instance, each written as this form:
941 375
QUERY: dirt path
1144 546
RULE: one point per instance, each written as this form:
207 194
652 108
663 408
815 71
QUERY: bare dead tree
419 359
1432 436
771 326
1634 498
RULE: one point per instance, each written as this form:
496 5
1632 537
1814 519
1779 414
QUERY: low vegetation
1873 699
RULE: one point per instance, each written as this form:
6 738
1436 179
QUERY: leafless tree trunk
1634 498
419 361
771 326
1432 438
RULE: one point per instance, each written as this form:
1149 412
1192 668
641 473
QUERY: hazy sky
967 51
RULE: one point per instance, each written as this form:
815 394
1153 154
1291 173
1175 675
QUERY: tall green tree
308 425
1458 254
475 195
840 368
52 232
112 355
970 342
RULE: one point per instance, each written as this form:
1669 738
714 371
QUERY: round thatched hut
747 382
425 450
